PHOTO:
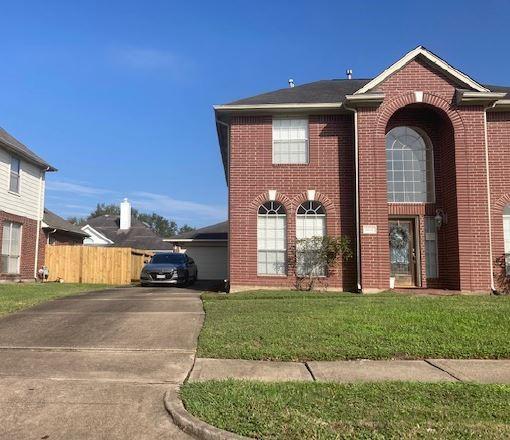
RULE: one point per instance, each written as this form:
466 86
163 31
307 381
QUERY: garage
208 247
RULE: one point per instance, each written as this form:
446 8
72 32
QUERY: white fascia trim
471 97
188 240
90 230
290 106
365 98
502 103
420 50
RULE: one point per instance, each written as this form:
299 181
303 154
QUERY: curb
190 424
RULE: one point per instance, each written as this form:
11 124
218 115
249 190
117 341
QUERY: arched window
271 239
410 166
506 236
310 222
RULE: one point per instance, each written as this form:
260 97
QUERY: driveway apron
96 365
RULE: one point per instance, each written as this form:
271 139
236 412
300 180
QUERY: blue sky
118 95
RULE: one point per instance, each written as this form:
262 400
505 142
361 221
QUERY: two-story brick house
22 183
412 165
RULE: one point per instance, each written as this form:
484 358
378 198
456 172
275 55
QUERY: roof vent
291 83
348 72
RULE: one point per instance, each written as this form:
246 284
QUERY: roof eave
365 99
466 97
41 164
286 107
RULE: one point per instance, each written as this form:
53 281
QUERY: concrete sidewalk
428 370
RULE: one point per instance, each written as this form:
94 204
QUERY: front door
402 252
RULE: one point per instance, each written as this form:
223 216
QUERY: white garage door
211 261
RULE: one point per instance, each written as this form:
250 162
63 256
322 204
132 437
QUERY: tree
313 257
157 223
186 228
160 225
78 221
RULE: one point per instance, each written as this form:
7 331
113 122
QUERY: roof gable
430 57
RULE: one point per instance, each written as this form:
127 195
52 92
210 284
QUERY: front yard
15 297
311 410
295 326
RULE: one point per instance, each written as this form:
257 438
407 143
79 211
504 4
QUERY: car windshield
167 258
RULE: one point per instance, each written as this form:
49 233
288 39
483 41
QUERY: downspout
493 287
356 179
39 219
227 281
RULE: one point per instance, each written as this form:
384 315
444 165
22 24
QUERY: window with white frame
410 166
431 262
271 239
506 237
290 140
310 222
14 175
11 247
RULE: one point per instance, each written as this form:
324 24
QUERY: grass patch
396 410
14 297
298 326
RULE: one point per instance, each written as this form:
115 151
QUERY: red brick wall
465 252
458 136
330 172
498 133
28 246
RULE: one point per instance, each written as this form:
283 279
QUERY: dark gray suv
169 268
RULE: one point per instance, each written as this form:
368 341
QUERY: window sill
14 193
262 275
278 165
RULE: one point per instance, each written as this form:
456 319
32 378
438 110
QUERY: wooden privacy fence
98 265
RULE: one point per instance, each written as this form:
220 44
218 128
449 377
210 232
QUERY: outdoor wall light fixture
441 218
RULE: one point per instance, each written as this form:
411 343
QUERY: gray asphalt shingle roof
332 90
139 236
11 143
56 222
218 231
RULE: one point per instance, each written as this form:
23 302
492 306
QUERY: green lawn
295 326
14 297
396 410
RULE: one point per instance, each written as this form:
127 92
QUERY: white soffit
434 59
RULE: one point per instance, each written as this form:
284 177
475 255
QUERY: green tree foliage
157 223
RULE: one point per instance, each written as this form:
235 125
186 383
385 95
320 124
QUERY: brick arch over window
329 206
263 198
388 109
500 204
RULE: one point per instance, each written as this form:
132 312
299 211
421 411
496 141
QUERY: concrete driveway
96 365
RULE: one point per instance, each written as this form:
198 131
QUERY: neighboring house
123 231
412 165
22 183
208 247
59 231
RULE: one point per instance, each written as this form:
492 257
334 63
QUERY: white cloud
82 189
180 210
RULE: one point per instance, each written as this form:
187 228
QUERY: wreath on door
399 237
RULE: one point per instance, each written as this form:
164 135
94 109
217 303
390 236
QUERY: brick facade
457 134
29 233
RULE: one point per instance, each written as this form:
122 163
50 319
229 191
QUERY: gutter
288 106
356 173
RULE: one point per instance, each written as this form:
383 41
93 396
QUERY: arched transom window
310 222
410 166
271 239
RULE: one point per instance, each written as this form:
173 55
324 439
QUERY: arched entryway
422 199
